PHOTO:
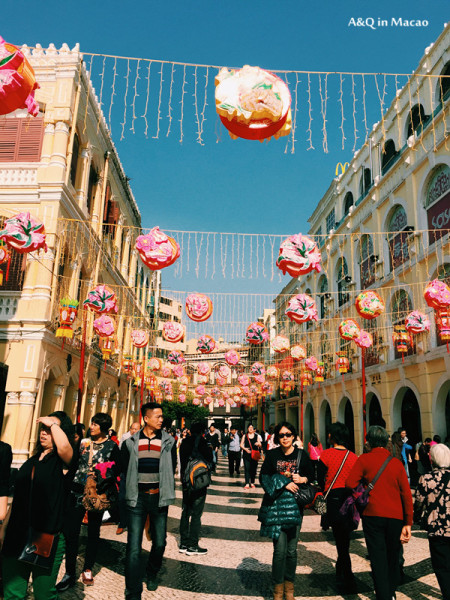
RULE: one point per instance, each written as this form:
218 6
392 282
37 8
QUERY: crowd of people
76 477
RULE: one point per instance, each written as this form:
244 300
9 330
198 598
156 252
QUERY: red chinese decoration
68 310
17 81
401 339
342 364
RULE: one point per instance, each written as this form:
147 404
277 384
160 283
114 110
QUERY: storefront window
398 237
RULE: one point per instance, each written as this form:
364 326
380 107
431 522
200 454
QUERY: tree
175 411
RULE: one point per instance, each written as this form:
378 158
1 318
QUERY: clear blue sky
232 186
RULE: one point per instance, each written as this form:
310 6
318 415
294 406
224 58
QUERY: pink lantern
364 339
157 250
182 397
198 307
311 363
176 358
256 334
178 370
224 371
272 371
154 364
258 368
140 337
101 299
104 326
280 343
232 357
205 344
203 368
299 255
349 329
243 379
173 332
416 322
298 352
302 308
17 81
23 233
437 294
369 304
200 390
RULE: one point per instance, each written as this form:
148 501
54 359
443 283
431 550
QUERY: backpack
197 475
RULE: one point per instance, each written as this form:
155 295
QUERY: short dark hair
377 437
197 428
437 438
65 424
286 424
103 420
339 434
149 406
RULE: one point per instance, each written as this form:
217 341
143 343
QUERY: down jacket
279 508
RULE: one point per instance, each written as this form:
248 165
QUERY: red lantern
127 364
17 81
342 364
306 378
442 317
107 345
5 257
401 339
320 373
137 372
68 310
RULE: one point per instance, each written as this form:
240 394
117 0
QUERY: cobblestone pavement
238 562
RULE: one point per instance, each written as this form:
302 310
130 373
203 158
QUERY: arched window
398 237
367 261
348 202
92 188
365 183
323 289
437 201
341 279
401 306
416 119
443 91
389 156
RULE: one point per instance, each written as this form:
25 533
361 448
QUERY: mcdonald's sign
343 168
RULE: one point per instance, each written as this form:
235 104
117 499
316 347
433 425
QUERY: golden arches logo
343 168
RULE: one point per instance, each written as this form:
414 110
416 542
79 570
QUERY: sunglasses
285 435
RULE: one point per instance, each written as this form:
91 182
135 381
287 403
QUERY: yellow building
63 168
383 225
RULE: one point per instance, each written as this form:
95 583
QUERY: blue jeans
147 504
224 449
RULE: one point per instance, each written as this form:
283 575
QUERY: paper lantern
200 390
272 372
221 381
280 343
245 390
202 379
68 310
196 401
349 329
107 346
127 364
5 257
259 378
23 233
178 371
267 388
173 332
101 299
198 307
149 380
298 352
243 379
224 371
299 255
137 372
256 334
182 397
232 357
176 358
306 378
302 308
342 364
140 338
184 380
166 370
205 344
215 391
252 103
17 81
364 339
287 376
203 368
258 368
311 363
207 400
221 402
154 364
436 294
416 322
320 373
442 318
369 304
401 339
104 326
157 250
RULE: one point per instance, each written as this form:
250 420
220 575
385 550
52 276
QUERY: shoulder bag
40 548
92 500
254 454
320 504
306 491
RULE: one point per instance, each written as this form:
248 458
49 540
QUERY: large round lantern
17 81
203 368
157 250
299 255
364 339
205 344
224 371
243 379
173 332
104 326
349 329
311 363
258 368
252 103
178 371
256 334
101 299
232 357
437 294
298 352
280 344
154 364
301 308
23 233
176 358
140 338
342 364
369 304
272 372
198 307
417 322
68 310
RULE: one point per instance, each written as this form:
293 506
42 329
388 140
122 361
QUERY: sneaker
66 583
120 530
252 485
182 549
246 486
152 583
196 550
87 578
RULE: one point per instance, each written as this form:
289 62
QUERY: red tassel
7 267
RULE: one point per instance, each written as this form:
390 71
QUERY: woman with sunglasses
39 503
283 470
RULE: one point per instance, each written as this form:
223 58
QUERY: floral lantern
306 378
166 370
23 233
149 380
200 390
437 294
104 326
68 310
207 400
178 371
272 372
205 344
184 380
173 332
224 371
196 401
298 352
198 307
417 322
101 299
154 364
202 379
127 364
221 381
364 339
252 103
401 339
203 368
182 398
245 389
302 308
287 376
442 318
299 255
267 388
140 338
176 358
342 364
280 344
215 391
256 334
369 304
157 250
258 368
243 379
232 357
5 257
17 81
221 402
320 373
349 329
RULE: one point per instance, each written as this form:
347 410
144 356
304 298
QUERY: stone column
59 393
58 160
132 271
10 419
47 143
23 431
82 176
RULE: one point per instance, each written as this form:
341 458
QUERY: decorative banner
157 250
302 308
198 307
68 310
253 104
17 81
101 299
23 233
298 255
369 305
416 322
104 326
140 338
256 334
205 344
173 332
349 329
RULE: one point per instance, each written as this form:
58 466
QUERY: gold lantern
68 310
342 364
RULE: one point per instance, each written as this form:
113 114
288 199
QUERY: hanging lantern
198 307
157 250
437 294
104 326
140 338
137 372
401 339
287 376
258 368
256 334
320 373
302 308
299 255
173 332
17 81
298 352
369 304
196 401
107 345
5 257
311 363
176 358
272 372
68 310
205 344
417 322
349 329
202 379
442 318
342 364
306 378
101 299
149 380
154 364
178 371
203 368
182 398
232 357
364 339
23 233
166 370
127 364
280 344
243 379
224 371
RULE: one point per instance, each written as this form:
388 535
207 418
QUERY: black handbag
40 548
306 491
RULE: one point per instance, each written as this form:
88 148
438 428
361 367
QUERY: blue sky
232 186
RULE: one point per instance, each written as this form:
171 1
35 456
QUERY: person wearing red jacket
388 516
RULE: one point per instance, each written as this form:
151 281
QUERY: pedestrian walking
150 460
234 453
280 515
212 438
194 446
315 450
38 506
387 518
432 511
224 442
122 505
250 443
334 466
100 455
